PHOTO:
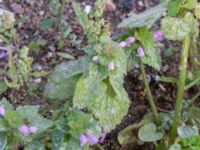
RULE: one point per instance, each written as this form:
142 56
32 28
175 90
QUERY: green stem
181 84
149 95
63 6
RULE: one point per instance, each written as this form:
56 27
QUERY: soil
46 59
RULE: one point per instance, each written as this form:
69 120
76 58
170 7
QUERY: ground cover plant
78 98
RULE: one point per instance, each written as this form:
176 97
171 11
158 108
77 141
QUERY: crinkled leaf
3 87
149 133
71 144
102 92
192 143
54 6
61 83
6 104
147 18
3 140
46 24
82 123
187 131
173 8
152 53
177 26
57 136
31 114
191 4
35 145
193 23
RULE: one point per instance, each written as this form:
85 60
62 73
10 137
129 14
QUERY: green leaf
30 113
149 133
173 8
46 24
57 136
192 143
168 79
65 55
191 4
61 84
175 147
177 26
102 95
197 11
147 18
35 145
71 144
3 140
3 87
152 53
129 134
38 74
187 131
54 6
82 123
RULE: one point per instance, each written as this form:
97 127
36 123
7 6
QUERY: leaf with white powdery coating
147 18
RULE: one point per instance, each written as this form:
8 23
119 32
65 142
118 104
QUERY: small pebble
140 3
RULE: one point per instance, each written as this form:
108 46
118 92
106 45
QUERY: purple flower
95 59
24 129
158 35
6 51
130 40
140 52
83 140
111 66
33 129
92 139
122 44
2 111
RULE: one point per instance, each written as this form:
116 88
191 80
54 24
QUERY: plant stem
181 84
149 95
62 6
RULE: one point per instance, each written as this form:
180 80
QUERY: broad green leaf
54 6
57 136
3 125
61 84
149 133
102 95
3 87
82 123
173 8
193 23
187 131
152 53
177 26
147 18
175 147
190 4
6 104
129 134
46 24
30 113
3 140
71 144
192 143
35 145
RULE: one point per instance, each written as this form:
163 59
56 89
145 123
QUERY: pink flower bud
24 129
130 40
111 66
33 129
95 59
140 51
83 140
92 139
158 35
122 44
2 111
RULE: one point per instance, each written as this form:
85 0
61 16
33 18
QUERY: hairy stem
149 95
181 84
